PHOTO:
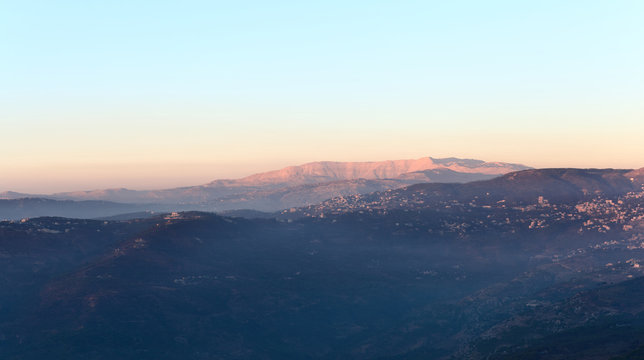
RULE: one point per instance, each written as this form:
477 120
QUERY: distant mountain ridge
323 171
522 188
324 180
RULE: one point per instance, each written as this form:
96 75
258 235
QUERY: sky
151 94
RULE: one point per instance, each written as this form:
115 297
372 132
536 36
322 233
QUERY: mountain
300 195
325 171
296 186
310 194
538 187
8 195
405 285
484 270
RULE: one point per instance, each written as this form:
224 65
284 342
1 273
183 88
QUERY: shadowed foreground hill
514 189
200 286
461 271
596 324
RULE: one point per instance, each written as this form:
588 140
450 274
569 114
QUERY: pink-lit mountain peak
303 184
390 169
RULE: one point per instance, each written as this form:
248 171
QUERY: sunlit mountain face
294 186
532 264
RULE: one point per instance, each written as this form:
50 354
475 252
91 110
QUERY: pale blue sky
160 93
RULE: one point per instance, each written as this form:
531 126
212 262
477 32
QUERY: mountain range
535 264
293 186
521 188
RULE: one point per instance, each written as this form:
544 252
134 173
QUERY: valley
498 269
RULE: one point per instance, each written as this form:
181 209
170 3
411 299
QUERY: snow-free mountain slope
392 169
293 186
408 171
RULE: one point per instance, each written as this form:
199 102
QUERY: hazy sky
148 94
